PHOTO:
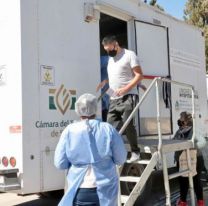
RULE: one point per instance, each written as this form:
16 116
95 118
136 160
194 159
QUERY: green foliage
206 45
154 3
196 13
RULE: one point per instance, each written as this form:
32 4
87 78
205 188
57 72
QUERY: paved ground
9 199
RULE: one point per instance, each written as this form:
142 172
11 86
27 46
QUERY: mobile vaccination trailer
207 87
50 54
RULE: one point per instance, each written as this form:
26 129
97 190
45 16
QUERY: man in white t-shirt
124 74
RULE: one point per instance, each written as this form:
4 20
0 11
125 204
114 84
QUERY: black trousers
86 197
119 111
184 182
104 115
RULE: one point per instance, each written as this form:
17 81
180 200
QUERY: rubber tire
126 187
52 194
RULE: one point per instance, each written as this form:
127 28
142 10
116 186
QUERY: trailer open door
152 44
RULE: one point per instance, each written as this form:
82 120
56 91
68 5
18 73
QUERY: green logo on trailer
62 99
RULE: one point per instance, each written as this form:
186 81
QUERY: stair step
124 198
141 162
129 179
144 162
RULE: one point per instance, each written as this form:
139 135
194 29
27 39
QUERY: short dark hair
185 117
109 39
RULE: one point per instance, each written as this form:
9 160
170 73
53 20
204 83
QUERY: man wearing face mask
124 74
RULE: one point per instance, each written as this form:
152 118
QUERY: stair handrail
132 115
155 81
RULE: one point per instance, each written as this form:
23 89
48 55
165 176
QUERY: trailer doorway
110 25
152 43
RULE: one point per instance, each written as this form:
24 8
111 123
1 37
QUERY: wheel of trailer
52 194
136 170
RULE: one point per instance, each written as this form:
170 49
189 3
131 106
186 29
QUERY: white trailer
50 54
207 87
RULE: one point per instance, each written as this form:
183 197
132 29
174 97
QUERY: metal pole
158 118
176 83
166 180
191 185
163 156
193 116
119 186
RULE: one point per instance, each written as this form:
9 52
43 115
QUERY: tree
196 13
154 3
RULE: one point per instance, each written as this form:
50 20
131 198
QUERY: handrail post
188 151
193 116
158 117
190 176
119 187
162 156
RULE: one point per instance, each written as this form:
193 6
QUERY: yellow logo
62 99
47 76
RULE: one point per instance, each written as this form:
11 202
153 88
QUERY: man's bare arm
138 76
101 85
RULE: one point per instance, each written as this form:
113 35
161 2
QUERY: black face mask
112 53
180 123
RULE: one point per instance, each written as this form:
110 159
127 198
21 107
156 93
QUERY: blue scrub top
104 75
96 144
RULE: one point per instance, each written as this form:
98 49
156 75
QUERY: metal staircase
140 181
162 148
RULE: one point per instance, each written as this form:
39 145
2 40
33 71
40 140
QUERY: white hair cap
86 105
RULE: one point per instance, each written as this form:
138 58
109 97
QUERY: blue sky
173 7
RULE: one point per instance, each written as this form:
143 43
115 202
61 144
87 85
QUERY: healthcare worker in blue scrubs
90 150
